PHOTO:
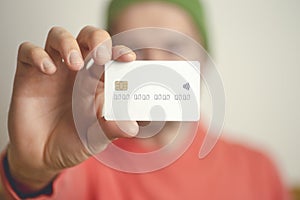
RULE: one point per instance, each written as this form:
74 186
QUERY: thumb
99 135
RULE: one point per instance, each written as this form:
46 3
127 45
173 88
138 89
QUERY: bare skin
155 14
43 138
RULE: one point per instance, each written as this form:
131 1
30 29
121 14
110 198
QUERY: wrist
27 180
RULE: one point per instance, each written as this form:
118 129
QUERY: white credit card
152 91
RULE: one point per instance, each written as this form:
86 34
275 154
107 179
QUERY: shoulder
252 166
243 155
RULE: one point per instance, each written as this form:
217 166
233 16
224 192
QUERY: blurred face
159 15
156 14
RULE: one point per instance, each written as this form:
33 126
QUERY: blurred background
254 43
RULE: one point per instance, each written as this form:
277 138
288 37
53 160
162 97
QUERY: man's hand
43 138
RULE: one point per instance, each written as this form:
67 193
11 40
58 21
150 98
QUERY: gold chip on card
121 85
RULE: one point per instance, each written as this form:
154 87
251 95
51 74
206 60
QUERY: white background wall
255 44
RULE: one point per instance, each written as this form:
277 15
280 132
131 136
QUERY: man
45 158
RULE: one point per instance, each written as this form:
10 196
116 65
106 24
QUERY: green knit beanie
193 7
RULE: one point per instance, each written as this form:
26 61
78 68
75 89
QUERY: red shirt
230 172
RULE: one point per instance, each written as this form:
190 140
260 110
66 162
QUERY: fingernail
131 128
76 59
48 66
132 55
124 50
102 54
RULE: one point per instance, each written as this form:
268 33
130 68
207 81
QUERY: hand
43 138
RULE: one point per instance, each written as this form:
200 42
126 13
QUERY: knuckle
29 53
61 38
86 28
22 47
66 41
60 34
55 30
99 33
34 53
